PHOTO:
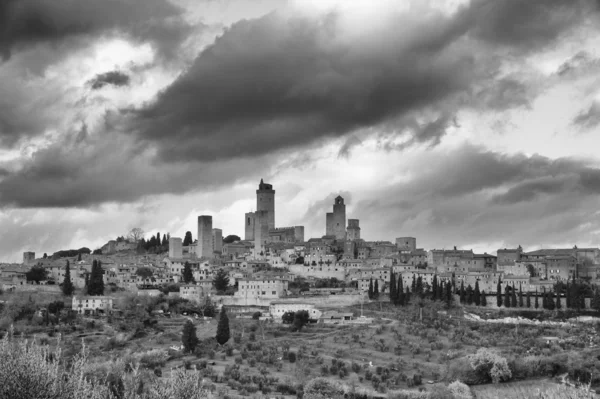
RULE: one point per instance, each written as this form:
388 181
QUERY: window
274 292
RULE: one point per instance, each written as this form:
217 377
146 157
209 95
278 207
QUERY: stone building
509 256
406 244
196 292
92 304
287 234
267 287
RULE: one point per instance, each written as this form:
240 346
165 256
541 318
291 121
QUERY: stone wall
319 271
319 301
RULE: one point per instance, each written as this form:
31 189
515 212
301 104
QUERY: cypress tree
67 287
414 284
189 338
558 304
79 257
187 239
507 297
568 295
371 288
469 295
520 296
400 290
434 287
499 293
513 297
96 281
376 289
537 302
223 328
420 286
462 291
449 294
483 299
544 300
477 294
440 294
188 275
550 301
528 300
596 300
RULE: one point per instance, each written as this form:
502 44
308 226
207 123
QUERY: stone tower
249 226
261 232
175 248
329 223
217 240
339 218
265 201
28 257
353 230
205 240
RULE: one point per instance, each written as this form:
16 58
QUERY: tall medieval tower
265 201
339 218
335 222
205 237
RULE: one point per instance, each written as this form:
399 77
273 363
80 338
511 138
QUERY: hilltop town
337 314
277 265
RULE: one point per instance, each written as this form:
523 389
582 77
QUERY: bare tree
135 234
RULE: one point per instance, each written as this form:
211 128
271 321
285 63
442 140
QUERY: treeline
70 253
156 244
401 294
570 294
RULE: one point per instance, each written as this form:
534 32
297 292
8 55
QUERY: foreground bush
322 388
30 370
460 390
491 365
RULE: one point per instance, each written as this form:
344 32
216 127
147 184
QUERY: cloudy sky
467 123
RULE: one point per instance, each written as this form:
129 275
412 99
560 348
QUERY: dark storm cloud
525 24
471 195
349 144
85 171
588 119
26 23
114 78
286 80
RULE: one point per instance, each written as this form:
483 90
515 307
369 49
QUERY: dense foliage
95 284
223 333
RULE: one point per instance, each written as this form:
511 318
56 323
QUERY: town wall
319 271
